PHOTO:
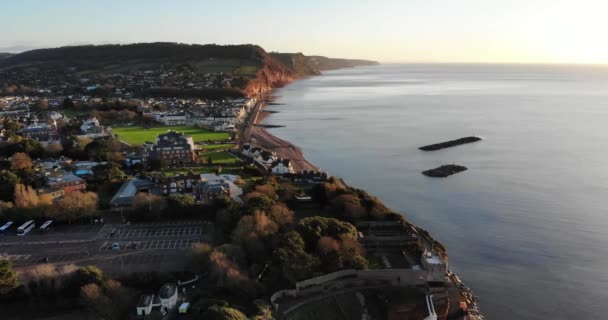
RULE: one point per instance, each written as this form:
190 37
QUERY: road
143 247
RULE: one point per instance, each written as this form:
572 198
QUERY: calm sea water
526 226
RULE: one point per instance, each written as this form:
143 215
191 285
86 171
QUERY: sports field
137 135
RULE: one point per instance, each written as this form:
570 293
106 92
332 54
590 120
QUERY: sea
526 226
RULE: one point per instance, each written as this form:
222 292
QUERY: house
173 148
210 187
51 192
309 176
88 124
281 166
39 132
265 158
170 119
168 185
132 159
127 192
166 300
92 129
67 182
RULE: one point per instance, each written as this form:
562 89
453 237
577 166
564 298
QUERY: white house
265 158
170 119
281 166
89 124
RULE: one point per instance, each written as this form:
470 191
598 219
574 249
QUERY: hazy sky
385 30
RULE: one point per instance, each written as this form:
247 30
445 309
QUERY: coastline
285 149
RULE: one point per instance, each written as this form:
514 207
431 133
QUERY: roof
432 259
145 300
65 178
167 291
124 195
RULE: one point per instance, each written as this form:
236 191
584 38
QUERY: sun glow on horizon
514 31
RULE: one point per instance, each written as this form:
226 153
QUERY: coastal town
160 191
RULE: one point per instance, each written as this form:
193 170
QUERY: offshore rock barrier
444 171
451 143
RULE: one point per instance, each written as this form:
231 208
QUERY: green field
222 158
218 146
199 170
137 135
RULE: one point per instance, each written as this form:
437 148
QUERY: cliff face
272 74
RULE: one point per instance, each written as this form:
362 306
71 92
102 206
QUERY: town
128 192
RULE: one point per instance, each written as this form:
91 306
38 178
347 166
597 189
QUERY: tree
54 149
75 205
8 277
89 274
314 228
223 313
90 293
42 104
198 258
281 215
349 205
25 196
225 271
108 172
258 201
68 103
8 181
20 161
252 231
295 263
180 201
252 227
150 203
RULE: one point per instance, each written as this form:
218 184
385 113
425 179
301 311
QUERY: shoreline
259 135
285 149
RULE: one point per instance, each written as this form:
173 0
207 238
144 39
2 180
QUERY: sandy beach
260 136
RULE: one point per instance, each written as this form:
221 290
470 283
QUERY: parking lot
27 259
166 244
121 248
160 232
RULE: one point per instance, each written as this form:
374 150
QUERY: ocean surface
526 226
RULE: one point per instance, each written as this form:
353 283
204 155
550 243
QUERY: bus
5 227
46 226
25 228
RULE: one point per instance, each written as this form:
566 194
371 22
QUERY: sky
521 31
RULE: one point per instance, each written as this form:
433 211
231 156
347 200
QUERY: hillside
313 65
4 55
297 62
258 71
324 63
253 69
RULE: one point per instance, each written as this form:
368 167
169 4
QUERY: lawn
199 170
222 158
137 135
218 146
